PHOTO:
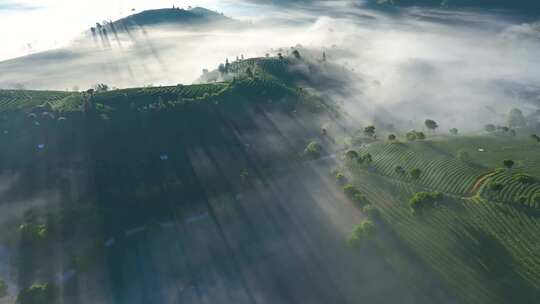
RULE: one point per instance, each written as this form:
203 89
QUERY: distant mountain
197 15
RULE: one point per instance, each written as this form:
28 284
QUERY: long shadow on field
493 261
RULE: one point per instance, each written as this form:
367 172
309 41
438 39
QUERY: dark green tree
391 137
508 163
454 131
415 173
369 131
431 124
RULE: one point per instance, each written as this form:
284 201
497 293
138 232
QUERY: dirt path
479 182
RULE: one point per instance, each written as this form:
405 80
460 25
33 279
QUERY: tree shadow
489 258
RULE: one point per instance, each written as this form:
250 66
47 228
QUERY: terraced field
16 99
484 251
440 170
513 191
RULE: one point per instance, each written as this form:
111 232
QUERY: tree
313 149
431 124
411 136
391 137
296 54
535 137
415 173
516 119
367 158
101 87
490 128
221 69
420 135
422 200
508 163
454 131
353 193
369 131
495 186
324 56
362 232
371 211
340 178
280 56
249 73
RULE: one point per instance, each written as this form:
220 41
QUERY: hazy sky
35 25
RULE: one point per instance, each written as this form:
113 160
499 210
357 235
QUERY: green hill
480 242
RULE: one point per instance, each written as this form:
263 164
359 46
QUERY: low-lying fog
454 66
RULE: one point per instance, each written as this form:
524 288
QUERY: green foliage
340 177
415 173
454 131
415 135
495 186
391 137
313 149
423 200
367 158
431 124
354 194
535 137
371 211
508 163
361 233
36 294
369 131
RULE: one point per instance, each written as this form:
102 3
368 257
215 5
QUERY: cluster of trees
491 128
535 137
423 200
354 156
361 233
414 173
415 135
354 194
